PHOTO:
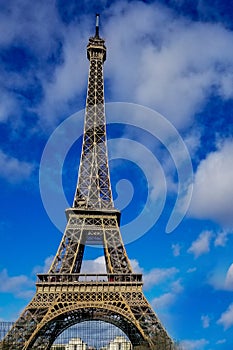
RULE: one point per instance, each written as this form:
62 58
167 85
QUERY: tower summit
97 25
64 296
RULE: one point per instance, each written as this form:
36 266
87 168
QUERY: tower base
62 300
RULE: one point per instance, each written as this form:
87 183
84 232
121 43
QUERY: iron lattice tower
64 296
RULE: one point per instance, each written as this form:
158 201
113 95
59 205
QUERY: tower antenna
97 25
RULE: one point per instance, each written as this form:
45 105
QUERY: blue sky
174 57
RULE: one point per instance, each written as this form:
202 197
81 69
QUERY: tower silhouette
64 296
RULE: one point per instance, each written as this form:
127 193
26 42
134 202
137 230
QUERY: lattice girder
55 304
101 229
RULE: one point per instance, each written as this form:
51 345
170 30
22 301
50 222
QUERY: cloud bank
213 190
173 65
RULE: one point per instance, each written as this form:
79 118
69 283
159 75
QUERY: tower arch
68 318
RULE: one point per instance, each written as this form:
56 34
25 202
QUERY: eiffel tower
64 296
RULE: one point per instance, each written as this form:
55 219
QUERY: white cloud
7 105
151 278
14 170
166 299
199 344
45 268
202 244
69 78
193 141
94 266
153 57
158 275
226 319
205 319
213 190
18 18
220 278
20 286
229 279
41 21
163 301
221 239
171 75
135 266
176 287
176 249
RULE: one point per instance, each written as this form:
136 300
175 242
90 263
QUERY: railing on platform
89 278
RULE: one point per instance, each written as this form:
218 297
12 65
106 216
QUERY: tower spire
97 25
93 188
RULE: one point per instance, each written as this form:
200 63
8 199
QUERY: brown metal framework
64 296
